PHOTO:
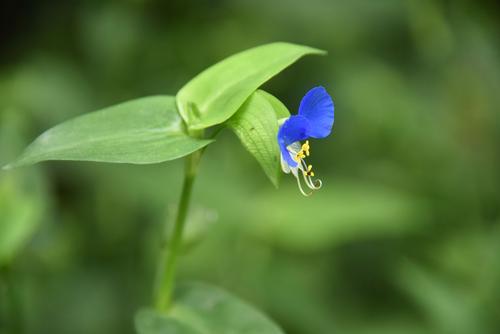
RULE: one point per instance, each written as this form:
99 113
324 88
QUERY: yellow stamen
306 147
309 171
300 155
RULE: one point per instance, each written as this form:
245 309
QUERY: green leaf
217 93
256 124
203 309
142 131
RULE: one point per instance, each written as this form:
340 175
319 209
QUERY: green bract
256 124
215 95
142 131
279 108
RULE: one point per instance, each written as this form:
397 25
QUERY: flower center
304 151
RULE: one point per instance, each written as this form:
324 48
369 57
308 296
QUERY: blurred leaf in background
22 195
201 308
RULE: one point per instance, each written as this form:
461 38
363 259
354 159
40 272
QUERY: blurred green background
403 238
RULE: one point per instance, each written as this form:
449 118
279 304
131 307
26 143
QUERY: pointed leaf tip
218 92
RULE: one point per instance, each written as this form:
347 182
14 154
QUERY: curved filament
313 185
302 190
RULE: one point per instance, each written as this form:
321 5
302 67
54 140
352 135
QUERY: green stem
170 251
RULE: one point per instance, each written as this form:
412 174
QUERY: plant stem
170 251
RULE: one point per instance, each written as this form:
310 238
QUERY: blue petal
317 107
295 128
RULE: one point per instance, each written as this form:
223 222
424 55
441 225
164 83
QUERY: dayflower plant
314 120
160 128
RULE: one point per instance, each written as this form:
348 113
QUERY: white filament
295 148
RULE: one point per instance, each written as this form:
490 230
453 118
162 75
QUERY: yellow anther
305 147
309 171
300 155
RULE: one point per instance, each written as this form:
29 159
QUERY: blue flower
314 120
